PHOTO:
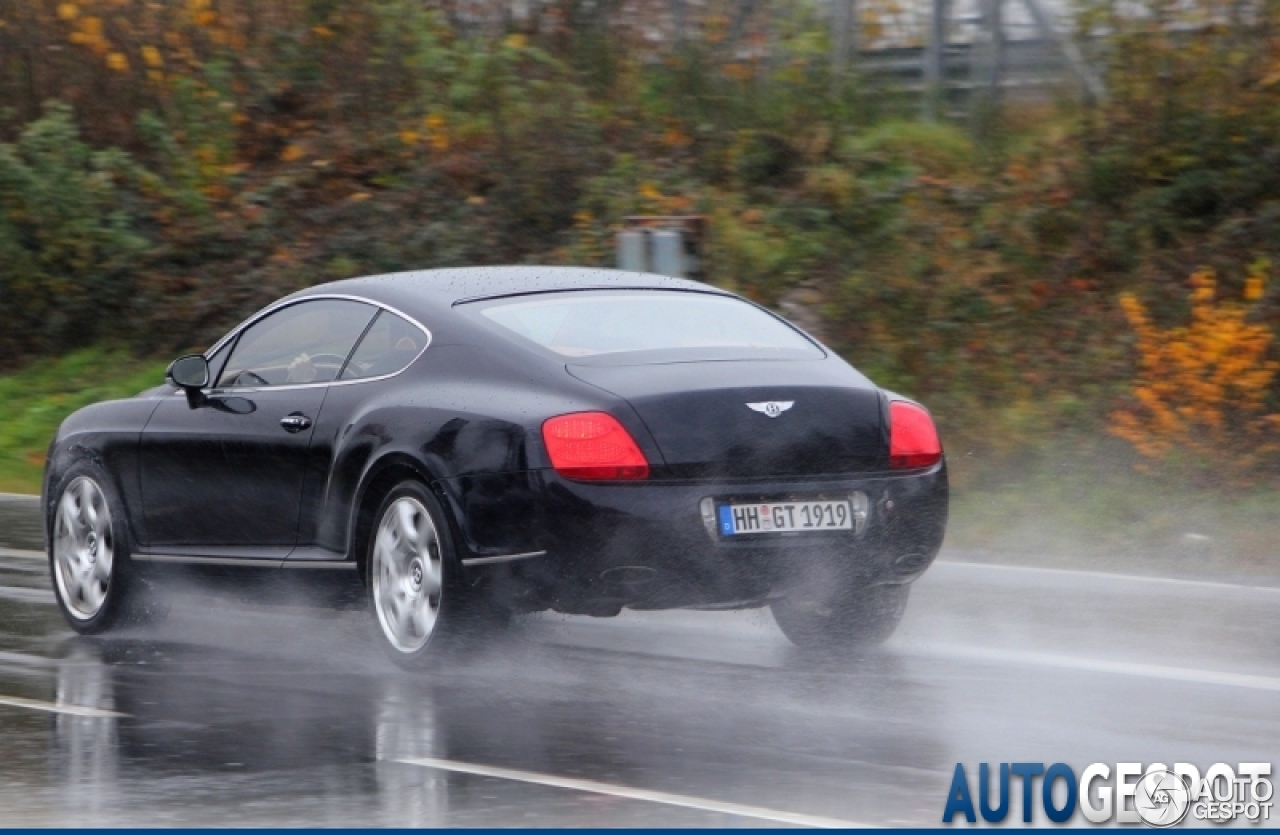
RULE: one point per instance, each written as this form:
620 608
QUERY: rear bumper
646 545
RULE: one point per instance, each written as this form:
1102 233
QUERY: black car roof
426 291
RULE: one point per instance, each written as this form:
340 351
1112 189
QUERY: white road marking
50 707
24 565
685 801
952 652
26 595
1106 575
23 555
596 637
28 660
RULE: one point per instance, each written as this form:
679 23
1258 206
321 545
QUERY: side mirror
190 373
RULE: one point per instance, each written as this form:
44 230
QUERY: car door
222 473
389 345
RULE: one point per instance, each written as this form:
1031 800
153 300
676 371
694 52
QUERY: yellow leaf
359 197
151 56
68 11
409 137
1253 288
291 152
437 133
516 41
1272 76
1255 283
118 62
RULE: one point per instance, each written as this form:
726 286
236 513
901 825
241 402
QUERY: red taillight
913 439
593 446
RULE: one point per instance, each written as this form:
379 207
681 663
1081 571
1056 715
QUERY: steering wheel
335 359
253 378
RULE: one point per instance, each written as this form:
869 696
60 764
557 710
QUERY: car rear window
591 324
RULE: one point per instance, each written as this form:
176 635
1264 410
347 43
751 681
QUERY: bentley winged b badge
771 408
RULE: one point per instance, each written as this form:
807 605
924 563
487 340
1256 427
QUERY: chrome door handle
295 422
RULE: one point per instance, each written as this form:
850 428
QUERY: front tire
412 575
89 551
861 619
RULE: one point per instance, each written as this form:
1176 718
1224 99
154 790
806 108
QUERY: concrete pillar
631 246
668 252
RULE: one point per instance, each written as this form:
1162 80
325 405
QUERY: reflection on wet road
243 714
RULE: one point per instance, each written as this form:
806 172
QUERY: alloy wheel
83 548
408 574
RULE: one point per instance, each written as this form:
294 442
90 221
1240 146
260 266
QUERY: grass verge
1098 515
35 400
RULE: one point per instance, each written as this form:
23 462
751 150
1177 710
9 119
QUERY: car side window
388 347
306 342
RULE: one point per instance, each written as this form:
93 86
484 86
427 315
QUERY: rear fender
380 476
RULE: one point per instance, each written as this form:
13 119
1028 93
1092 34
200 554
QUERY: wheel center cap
91 544
415 574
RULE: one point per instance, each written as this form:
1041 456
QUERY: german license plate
784 517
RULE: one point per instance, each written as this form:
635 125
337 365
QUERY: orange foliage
437 132
1202 388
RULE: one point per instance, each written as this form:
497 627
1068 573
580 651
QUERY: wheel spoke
386 575
67 550
408 525
431 577
93 594
88 512
424 618
404 621
68 512
387 601
102 566
101 524
386 547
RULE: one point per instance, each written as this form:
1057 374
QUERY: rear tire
94 581
413 577
862 619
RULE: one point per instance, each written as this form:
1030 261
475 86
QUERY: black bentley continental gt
468 444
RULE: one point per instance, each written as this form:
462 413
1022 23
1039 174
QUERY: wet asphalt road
245 714
20 522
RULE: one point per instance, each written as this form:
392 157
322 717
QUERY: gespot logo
1158 796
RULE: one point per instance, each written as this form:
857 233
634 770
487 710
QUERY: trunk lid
699 415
